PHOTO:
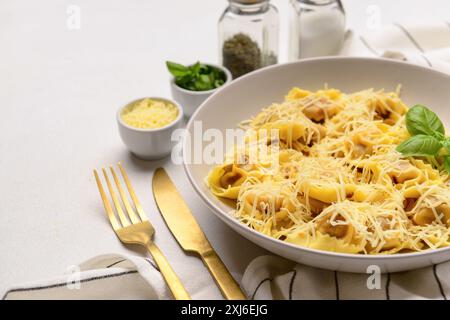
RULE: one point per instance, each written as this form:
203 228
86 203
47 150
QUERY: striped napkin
427 45
115 276
268 277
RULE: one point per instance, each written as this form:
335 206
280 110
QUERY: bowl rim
167 126
206 92
219 212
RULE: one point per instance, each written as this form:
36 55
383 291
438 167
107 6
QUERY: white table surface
59 92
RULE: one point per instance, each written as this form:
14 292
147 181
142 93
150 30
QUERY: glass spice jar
317 28
248 36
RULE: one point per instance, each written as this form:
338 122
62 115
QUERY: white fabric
270 277
427 45
109 276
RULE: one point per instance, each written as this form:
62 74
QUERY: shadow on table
146 165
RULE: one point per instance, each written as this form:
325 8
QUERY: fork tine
137 204
116 202
112 218
131 214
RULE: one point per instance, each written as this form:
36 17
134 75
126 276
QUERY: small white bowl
191 100
149 144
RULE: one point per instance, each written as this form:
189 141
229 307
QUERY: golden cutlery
135 228
189 235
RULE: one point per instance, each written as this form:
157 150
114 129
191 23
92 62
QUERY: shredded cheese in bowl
149 114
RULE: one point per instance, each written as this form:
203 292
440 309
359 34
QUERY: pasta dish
332 179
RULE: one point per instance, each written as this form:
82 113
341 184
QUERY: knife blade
188 233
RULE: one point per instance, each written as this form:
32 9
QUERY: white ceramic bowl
245 96
149 144
191 100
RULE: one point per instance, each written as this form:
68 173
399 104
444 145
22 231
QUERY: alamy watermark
73 280
373 21
211 146
374 280
73 20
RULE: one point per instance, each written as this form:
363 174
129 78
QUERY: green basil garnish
421 120
420 145
447 163
176 69
197 77
427 136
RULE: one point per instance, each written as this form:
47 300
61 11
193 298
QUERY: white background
59 92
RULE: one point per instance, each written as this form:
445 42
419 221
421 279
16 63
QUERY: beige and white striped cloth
427 45
267 277
270 277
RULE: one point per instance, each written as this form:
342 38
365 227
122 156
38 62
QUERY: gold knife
189 235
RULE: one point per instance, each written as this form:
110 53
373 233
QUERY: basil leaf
203 82
197 77
447 163
195 68
446 144
218 83
176 69
212 78
183 81
204 69
420 145
421 120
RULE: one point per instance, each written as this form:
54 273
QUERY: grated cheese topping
335 181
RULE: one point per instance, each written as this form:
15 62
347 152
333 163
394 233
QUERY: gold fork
137 230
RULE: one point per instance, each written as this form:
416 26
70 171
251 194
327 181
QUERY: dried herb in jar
241 55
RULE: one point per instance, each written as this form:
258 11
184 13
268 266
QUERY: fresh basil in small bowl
192 84
197 77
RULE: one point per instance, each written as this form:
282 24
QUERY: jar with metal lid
317 28
248 36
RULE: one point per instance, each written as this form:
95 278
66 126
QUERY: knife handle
172 280
227 285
